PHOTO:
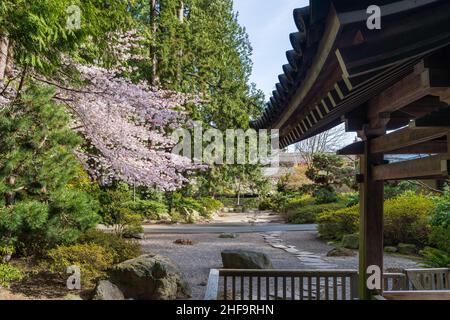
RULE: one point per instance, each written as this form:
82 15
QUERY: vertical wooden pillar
371 220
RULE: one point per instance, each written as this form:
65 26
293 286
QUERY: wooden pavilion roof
337 66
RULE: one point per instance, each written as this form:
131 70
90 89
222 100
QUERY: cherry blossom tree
126 125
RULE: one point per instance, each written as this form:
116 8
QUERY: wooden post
371 220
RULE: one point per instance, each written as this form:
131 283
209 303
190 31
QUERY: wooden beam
371 222
406 91
417 295
405 138
429 147
356 148
423 106
432 167
440 118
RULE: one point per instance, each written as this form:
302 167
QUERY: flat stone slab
291 250
278 246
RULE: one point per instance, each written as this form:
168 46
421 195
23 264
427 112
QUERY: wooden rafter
406 137
433 167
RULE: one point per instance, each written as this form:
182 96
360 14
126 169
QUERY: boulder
134 235
244 259
150 277
105 290
350 241
340 252
405 248
228 235
390 249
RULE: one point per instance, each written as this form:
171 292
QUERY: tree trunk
181 11
10 60
180 17
154 26
4 44
239 195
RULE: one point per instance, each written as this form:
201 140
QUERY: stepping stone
310 260
307 253
278 246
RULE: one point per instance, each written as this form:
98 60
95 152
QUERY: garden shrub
210 205
277 202
9 274
186 207
439 239
92 259
300 201
309 213
149 209
394 189
435 258
333 225
121 249
325 195
406 219
350 198
117 210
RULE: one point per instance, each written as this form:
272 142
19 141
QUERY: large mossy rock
244 259
340 252
390 249
350 241
150 277
105 290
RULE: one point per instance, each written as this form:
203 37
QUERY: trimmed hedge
406 220
333 225
309 213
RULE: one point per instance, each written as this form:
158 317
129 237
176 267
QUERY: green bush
210 205
299 202
121 249
333 225
406 219
266 203
116 210
325 195
149 209
350 199
186 207
92 259
9 274
441 215
309 213
277 202
439 238
395 189
435 258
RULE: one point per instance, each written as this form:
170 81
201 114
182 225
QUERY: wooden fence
231 284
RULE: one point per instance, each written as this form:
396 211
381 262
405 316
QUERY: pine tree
40 203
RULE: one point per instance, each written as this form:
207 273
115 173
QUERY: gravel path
195 261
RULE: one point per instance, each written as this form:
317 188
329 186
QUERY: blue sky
268 23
